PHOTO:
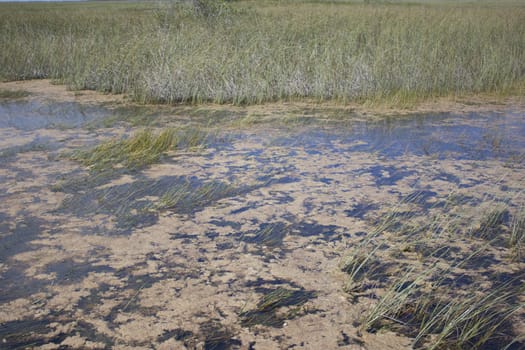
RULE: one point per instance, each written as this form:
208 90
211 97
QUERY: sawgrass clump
140 150
476 318
246 52
434 281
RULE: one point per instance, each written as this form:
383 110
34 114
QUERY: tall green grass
170 53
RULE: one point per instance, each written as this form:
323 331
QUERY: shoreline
45 89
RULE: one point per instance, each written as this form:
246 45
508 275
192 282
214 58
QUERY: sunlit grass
424 281
141 149
252 52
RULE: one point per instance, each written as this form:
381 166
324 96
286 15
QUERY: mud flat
288 231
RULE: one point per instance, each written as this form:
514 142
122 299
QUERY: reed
246 52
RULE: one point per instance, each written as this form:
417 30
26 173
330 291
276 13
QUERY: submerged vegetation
251 52
433 281
276 306
142 149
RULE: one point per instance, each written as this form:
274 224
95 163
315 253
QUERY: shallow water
95 261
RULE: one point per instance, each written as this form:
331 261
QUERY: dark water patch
94 299
78 181
89 332
467 182
211 235
280 197
5 224
457 281
28 333
359 210
185 237
387 175
34 115
226 223
39 144
241 210
514 279
276 306
345 340
444 176
69 271
444 135
272 234
129 296
326 180
16 240
178 334
481 262
225 245
273 179
21 175
306 229
15 285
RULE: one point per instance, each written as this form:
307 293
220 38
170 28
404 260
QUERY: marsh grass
269 235
492 221
183 197
246 52
276 306
13 94
476 318
140 150
517 234
422 277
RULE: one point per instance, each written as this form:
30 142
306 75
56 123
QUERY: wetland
223 227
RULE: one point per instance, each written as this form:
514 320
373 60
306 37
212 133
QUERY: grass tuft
275 307
423 277
13 94
517 234
140 150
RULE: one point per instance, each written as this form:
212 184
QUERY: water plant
266 310
433 291
139 150
517 234
436 319
269 235
491 222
